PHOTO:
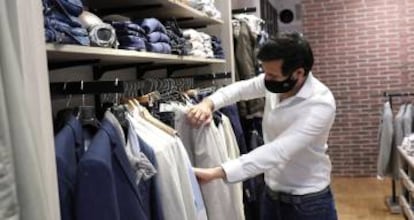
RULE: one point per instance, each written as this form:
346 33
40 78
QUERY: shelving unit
163 9
406 199
62 53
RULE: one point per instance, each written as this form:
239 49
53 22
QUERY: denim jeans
127 26
71 7
60 32
156 37
124 32
315 206
132 43
160 48
152 24
57 15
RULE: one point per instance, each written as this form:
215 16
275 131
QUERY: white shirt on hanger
295 132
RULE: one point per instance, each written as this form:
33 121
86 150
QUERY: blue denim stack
158 40
62 24
130 35
217 48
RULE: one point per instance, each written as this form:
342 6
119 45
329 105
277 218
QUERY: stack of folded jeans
130 35
62 23
206 6
177 40
200 43
217 48
158 40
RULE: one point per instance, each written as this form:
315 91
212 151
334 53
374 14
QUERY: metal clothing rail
392 202
243 10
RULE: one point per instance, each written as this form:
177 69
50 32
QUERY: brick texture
362 48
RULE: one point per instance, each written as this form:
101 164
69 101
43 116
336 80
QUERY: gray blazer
385 140
393 165
407 120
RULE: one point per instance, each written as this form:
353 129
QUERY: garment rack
243 10
392 202
81 87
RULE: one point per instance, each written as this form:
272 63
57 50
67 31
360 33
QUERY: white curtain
26 136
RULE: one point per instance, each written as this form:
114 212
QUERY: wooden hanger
145 114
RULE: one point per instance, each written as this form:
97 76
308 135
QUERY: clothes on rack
179 196
217 48
206 6
133 163
392 132
62 24
254 23
69 148
107 186
386 131
246 68
205 146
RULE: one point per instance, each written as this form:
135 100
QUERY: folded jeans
156 37
160 48
152 25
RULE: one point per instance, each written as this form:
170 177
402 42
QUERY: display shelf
407 211
162 9
408 159
62 53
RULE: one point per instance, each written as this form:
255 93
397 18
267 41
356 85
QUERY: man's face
273 70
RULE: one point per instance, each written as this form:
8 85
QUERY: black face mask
280 86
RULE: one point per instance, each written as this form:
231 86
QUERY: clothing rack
243 10
209 76
392 202
78 88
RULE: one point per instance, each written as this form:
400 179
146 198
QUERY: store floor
362 199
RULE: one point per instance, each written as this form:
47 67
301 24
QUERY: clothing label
166 108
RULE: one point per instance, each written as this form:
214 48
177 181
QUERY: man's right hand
201 113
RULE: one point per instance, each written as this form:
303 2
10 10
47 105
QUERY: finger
208 120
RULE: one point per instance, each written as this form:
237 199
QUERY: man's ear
300 72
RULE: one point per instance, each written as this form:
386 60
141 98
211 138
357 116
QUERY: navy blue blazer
106 188
68 148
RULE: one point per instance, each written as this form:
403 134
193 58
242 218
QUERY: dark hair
292 49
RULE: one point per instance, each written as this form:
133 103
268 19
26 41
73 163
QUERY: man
298 115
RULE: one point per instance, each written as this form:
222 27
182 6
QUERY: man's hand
201 113
205 175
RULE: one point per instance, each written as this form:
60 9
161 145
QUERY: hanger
86 114
146 115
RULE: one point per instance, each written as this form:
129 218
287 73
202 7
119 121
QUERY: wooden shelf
162 9
62 53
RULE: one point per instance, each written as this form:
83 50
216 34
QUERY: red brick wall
362 48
